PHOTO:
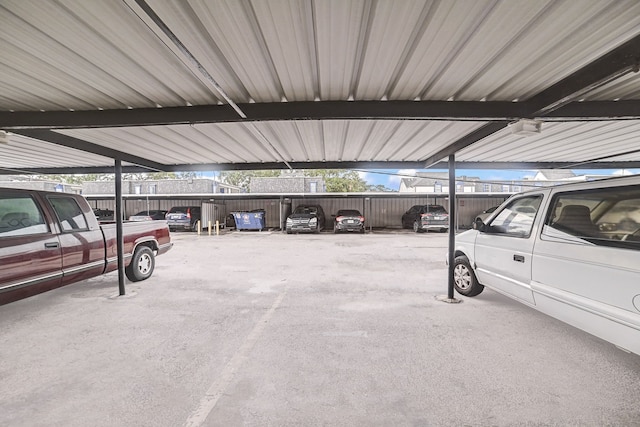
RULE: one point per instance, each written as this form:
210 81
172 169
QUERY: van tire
464 279
142 264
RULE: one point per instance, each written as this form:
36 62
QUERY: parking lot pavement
269 329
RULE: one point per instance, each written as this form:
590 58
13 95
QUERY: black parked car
183 217
103 214
348 220
148 215
426 217
306 219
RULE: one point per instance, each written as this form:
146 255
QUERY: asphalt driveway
268 329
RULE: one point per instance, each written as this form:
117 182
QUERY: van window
608 216
516 219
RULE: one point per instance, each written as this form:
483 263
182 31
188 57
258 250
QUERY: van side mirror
479 225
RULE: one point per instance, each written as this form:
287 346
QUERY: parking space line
217 388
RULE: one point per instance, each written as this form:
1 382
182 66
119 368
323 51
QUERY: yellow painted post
209 227
198 225
217 227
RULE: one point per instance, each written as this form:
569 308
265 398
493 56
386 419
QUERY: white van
570 251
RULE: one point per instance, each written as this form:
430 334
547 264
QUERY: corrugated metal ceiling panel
296 50
23 153
561 38
570 142
88 55
294 141
75 54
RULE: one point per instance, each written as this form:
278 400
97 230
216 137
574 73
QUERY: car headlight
313 221
289 221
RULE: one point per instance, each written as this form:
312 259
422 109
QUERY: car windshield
178 210
305 210
436 209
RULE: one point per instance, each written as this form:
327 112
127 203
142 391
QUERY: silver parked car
348 220
485 213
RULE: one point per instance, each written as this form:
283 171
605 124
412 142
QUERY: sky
391 178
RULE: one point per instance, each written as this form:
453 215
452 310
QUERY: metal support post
119 232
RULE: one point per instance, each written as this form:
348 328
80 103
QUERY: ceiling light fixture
526 127
4 137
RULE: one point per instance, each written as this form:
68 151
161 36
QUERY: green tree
243 178
183 175
336 180
70 178
340 180
378 187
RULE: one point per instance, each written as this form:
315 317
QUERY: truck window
516 219
608 217
20 216
69 213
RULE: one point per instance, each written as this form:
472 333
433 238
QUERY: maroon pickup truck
48 240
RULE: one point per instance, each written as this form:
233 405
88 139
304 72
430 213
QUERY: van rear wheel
464 279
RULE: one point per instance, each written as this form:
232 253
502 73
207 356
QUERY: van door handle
518 258
51 245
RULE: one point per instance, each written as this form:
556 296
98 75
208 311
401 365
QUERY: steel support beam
595 110
274 111
325 110
465 141
615 64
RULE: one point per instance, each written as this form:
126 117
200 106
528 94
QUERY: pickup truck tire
142 264
464 279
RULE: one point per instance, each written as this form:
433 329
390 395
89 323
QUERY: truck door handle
51 245
518 258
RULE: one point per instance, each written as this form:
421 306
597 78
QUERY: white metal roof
96 55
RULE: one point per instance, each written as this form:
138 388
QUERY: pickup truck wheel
142 264
416 227
464 279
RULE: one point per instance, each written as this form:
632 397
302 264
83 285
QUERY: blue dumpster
253 220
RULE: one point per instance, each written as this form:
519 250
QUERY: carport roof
215 85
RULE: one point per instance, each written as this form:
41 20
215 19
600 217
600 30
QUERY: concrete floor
266 329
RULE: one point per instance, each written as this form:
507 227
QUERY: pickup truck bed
49 239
